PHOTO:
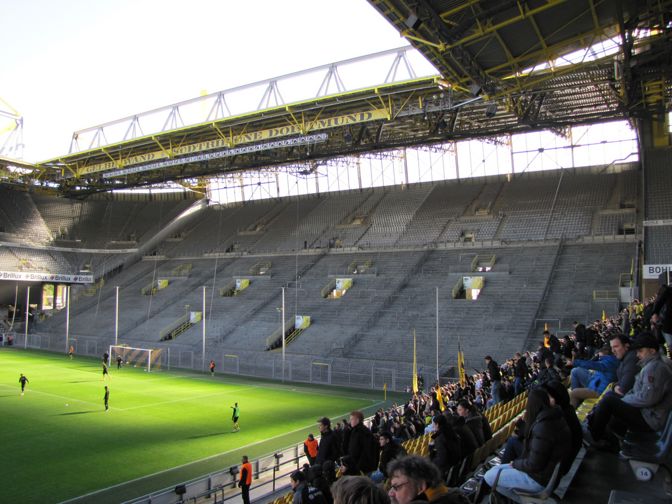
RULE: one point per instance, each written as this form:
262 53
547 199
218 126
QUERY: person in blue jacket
589 378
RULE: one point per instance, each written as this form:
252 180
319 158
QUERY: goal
147 358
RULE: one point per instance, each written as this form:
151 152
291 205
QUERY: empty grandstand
458 214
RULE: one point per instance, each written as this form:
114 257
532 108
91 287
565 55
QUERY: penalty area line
186 464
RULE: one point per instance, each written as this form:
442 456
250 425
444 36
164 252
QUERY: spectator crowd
621 362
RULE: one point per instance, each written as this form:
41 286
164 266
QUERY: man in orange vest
310 449
245 479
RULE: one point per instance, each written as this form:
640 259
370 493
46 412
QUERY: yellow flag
604 316
460 366
439 398
415 367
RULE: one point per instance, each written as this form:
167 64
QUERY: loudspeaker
413 22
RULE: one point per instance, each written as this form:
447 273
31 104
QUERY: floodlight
491 110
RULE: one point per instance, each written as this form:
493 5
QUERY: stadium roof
495 45
505 67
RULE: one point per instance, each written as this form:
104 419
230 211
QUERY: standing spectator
328 449
495 379
546 442
245 479
360 443
310 449
661 315
520 374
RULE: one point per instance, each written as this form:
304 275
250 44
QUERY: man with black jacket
389 450
520 374
360 443
329 448
495 379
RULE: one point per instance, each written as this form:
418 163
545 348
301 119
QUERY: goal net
146 358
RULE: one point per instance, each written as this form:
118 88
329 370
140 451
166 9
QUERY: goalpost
137 357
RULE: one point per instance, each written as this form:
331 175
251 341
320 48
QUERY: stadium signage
287 142
653 271
241 138
34 276
658 222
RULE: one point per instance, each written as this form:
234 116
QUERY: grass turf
59 443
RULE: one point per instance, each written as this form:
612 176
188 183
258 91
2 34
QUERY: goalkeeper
235 416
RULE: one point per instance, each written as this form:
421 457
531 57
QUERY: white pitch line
197 461
97 405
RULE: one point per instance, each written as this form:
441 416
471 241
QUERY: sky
71 64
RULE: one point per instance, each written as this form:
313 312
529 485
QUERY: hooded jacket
546 443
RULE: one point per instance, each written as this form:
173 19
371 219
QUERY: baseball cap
324 421
644 340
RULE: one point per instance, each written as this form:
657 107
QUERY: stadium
353 237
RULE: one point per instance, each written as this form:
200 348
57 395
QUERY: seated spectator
349 467
627 368
468 443
513 448
646 407
389 450
358 490
548 372
444 449
547 440
559 397
589 378
315 478
303 492
416 479
473 420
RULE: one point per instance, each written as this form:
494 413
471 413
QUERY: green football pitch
163 428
